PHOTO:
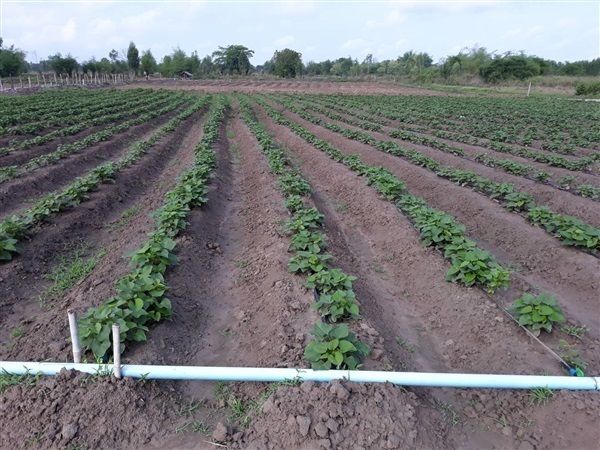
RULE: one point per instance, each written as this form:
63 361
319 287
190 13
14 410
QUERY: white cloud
392 18
291 8
353 44
285 41
69 31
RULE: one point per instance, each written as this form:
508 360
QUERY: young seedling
540 395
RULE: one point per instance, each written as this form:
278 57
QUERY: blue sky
564 31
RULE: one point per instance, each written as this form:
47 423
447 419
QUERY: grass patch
7 380
17 332
127 214
70 271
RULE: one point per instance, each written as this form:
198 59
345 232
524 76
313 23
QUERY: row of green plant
333 345
110 114
10 172
401 134
17 227
407 134
16 110
570 230
557 124
82 111
568 182
470 264
132 108
141 294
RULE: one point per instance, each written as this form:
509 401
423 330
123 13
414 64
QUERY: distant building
186 75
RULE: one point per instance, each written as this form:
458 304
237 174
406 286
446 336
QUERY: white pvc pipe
116 336
74 335
456 380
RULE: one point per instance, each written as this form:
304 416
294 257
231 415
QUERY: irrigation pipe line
455 380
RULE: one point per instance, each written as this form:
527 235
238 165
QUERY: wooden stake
116 335
74 336
529 90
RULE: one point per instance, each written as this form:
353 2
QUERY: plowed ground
236 304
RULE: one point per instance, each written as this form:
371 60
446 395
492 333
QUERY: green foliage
293 184
12 62
233 59
306 261
133 57
71 269
141 298
471 265
156 253
286 63
572 231
335 347
571 355
304 219
510 67
519 201
540 395
308 241
588 88
330 280
537 312
27 379
338 304
148 63
294 203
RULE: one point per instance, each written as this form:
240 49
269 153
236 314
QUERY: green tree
133 57
148 63
233 59
12 62
206 66
91 66
165 67
63 65
507 67
286 63
113 55
105 66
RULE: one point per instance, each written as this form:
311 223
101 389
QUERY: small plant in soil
294 203
17 332
570 354
537 312
27 379
70 271
335 347
540 395
242 263
308 262
449 414
308 241
340 304
187 410
566 182
330 280
541 176
576 331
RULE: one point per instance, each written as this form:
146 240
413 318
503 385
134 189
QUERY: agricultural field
299 225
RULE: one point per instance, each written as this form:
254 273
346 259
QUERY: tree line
477 61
